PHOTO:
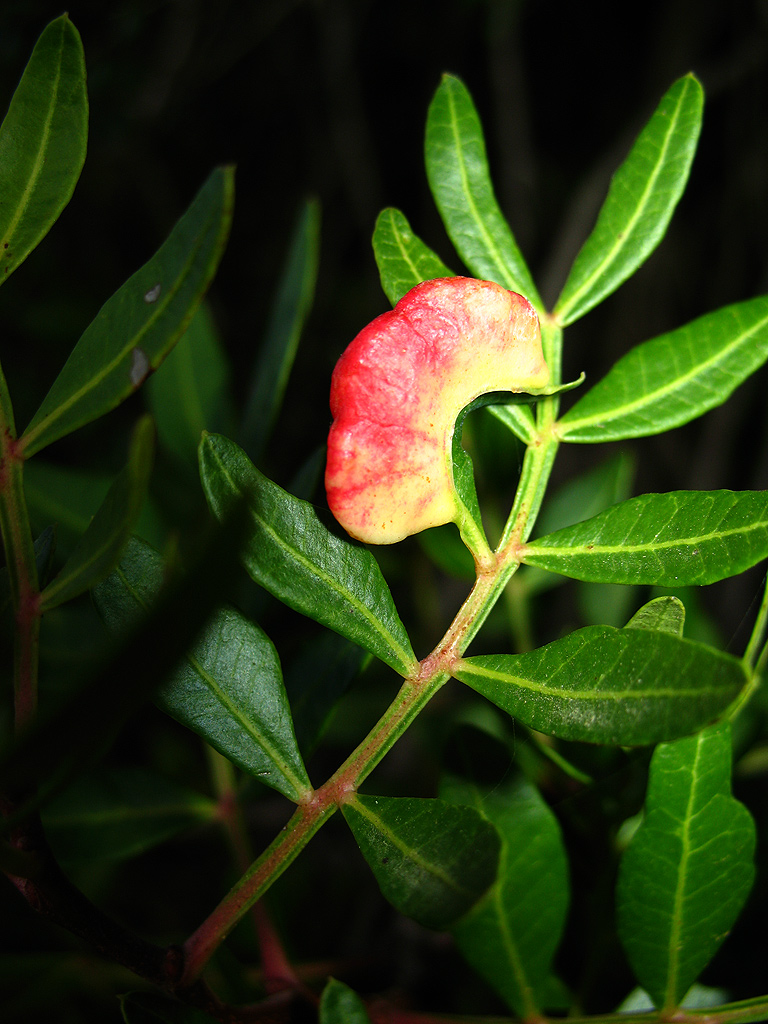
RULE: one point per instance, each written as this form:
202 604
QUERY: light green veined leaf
457 169
138 326
624 687
402 258
339 1004
43 140
688 869
643 195
674 378
681 538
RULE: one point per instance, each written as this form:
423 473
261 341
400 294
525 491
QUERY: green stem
757 638
433 672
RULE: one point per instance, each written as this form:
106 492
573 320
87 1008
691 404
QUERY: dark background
329 98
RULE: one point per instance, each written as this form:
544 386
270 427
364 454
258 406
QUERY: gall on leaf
398 389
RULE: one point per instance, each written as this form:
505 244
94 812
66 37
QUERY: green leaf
457 169
640 202
665 614
672 379
432 860
99 548
43 140
229 686
190 392
292 304
681 538
517 418
510 936
292 555
340 1005
138 326
402 258
689 867
603 685
119 813
578 499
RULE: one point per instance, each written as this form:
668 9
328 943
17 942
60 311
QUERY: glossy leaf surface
402 258
689 867
666 614
292 303
432 860
457 169
643 195
291 554
672 379
120 812
510 936
605 685
682 538
43 140
229 686
99 548
339 1004
138 326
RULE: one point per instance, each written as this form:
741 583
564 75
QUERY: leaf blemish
140 368
153 293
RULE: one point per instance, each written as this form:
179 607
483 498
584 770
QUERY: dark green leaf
689 867
605 685
293 302
340 1005
43 140
190 392
432 860
673 378
643 195
228 688
119 813
682 538
457 168
402 258
666 614
510 936
291 554
99 548
138 326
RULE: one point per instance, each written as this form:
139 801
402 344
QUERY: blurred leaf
444 547
680 538
292 555
624 687
289 313
119 813
432 860
190 392
640 202
138 326
72 735
689 868
340 1005
672 379
229 686
43 140
99 548
402 258
457 169
666 614
510 936
316 679
155 1008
